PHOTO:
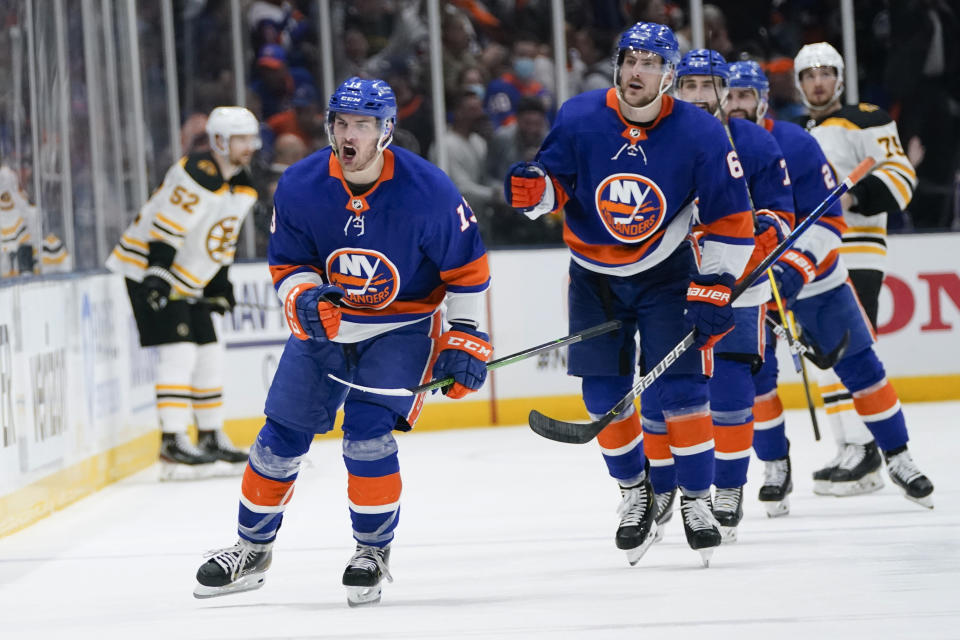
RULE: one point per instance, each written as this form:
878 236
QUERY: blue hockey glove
708 308
793 270
313 311
464 352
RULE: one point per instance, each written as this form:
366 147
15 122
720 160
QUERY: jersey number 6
733 163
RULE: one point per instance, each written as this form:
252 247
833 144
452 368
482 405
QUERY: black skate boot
664 503
241 567
181 460
859 471
821 477
637 530
229 459
368 566
728 510
905 474
777 485
701 528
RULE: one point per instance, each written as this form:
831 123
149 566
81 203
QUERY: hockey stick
809 350
586 334
575 433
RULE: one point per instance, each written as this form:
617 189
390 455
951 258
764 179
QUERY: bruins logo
222 238
6 201
207 167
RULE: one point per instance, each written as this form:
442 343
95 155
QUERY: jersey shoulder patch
863 115
203 169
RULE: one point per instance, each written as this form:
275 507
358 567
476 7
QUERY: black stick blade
828 360
569 432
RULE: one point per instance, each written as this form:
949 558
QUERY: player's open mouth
636 86
349 153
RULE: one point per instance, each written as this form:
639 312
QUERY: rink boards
76 390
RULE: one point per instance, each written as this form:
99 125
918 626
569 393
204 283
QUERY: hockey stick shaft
586 334
581 433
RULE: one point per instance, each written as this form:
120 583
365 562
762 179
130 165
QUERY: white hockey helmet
818 54
231 121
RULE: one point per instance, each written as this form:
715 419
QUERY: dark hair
530 103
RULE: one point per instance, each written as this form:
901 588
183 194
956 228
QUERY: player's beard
743 113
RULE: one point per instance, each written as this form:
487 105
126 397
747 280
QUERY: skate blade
224 469
248 582
176 472
728 535
926 501
777 509
634 555
823 487
869 483
705 555
363 596
658 536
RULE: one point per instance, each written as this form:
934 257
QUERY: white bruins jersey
20 227
847 137
196 213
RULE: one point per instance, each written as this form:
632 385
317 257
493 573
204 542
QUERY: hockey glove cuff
770 232
313 311
708 308
464 352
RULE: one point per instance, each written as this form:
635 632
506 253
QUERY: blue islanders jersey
813 179
768 179
397 250
628 191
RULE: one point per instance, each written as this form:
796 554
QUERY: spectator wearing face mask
505 92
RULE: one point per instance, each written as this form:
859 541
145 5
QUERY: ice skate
229 459
241 567
821 477
905 474
701 528
664 503
637 530
777 485
368 566
859 471
728 510
181 460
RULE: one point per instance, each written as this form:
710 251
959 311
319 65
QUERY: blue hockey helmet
364 97
703 62
647 36
748 74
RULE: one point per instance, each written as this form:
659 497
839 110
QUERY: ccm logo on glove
466 342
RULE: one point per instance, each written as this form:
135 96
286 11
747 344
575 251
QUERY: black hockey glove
25 259
157 291
219 293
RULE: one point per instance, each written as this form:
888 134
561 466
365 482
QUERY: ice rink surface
502 535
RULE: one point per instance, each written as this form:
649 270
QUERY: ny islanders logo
632 207
369 278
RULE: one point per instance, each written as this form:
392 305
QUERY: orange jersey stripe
436 328
657 446
280 271
424 305
828 261
767 409
372 492
837 222
735 225
878 401
691 430
734 439
263 491
469 275
621 433
790 218
609 254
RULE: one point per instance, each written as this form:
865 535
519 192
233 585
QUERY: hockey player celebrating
626 165
815 275
848 134
702 80
366 243
175 257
